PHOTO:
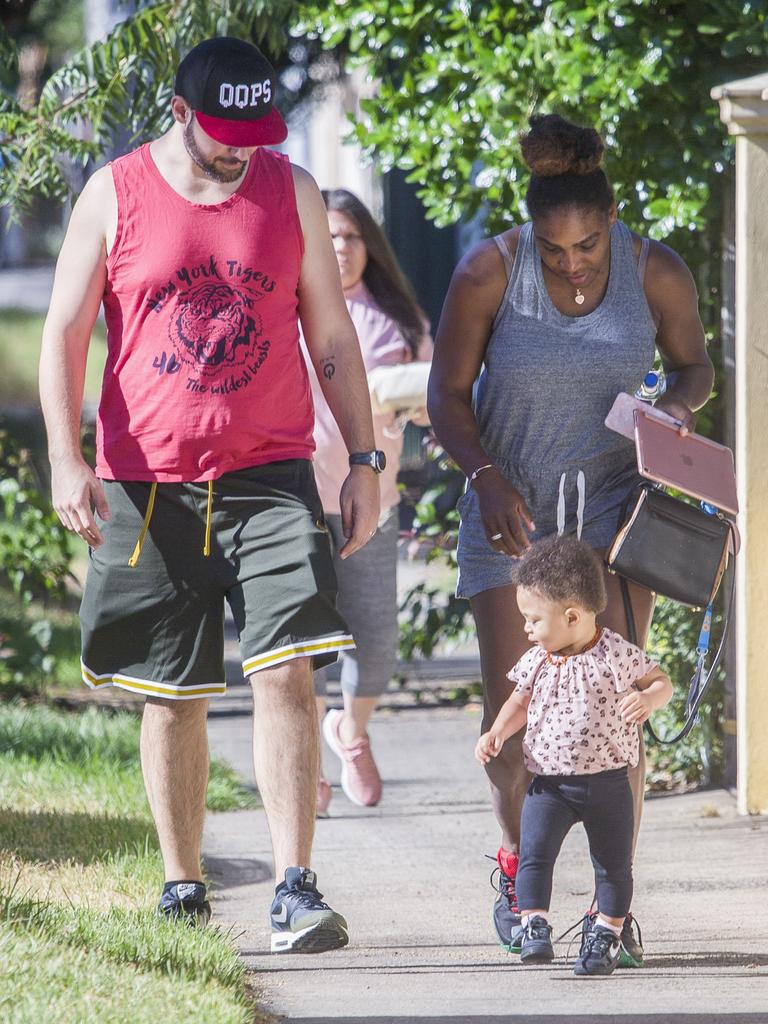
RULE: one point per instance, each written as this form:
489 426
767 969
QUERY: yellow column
744 109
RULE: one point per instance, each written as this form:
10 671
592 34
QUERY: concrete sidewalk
411 878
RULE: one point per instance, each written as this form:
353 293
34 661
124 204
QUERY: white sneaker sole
318 938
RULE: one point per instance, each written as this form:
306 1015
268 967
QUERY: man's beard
209 168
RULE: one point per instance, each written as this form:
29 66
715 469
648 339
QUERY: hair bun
556 146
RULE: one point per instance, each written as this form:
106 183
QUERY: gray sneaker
301 922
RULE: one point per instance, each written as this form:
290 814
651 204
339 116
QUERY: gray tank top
548 382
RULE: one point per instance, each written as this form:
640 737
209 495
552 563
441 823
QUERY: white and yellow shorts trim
191 691
149 687
302 649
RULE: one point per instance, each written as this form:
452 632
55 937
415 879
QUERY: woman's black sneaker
631 945
536 947
185 901
599 953
301 922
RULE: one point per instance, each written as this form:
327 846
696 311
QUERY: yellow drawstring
207 548
133 560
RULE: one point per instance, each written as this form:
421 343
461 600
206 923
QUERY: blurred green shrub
34 567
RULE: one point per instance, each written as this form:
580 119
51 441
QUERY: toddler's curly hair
565 570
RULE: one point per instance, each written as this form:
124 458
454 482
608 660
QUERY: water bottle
654 385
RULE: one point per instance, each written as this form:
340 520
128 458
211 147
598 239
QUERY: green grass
41 980
20 335
80 874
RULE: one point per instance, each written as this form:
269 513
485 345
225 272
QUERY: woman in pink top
582 691
392 329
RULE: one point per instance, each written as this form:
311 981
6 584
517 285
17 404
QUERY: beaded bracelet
479 470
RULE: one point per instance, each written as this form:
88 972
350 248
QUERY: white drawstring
581 490
561 507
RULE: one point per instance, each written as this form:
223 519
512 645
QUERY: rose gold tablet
621 416
691 463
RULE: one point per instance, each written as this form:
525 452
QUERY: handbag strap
702 677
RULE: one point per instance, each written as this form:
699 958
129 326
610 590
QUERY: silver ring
497 536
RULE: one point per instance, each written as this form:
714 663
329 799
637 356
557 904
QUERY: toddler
582 691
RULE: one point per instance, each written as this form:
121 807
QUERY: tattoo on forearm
329 366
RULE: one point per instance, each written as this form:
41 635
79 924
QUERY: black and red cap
230 85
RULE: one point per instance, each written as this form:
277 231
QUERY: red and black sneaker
506 913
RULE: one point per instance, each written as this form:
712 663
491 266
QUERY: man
206 249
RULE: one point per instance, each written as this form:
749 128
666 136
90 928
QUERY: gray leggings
368 602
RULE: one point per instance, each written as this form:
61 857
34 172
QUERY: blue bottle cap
650 380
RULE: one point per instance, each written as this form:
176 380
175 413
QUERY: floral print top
574 726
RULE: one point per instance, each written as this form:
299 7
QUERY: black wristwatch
376 459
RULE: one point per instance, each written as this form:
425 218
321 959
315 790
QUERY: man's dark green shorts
156 626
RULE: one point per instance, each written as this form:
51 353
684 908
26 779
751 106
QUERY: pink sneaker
324 794
360 777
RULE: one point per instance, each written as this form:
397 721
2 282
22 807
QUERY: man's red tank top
204 372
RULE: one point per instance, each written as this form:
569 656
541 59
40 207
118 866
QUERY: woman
556 317
392 329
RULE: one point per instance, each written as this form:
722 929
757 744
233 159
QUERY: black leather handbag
672 548
678 550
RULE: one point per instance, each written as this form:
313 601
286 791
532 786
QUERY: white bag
398 388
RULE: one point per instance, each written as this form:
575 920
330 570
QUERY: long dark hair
565 161
383 276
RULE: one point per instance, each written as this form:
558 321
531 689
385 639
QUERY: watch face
379 461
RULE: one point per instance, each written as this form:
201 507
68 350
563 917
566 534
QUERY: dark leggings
552 806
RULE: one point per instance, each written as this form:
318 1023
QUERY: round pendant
578 297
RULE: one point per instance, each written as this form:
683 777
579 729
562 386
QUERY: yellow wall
752 468
744 109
